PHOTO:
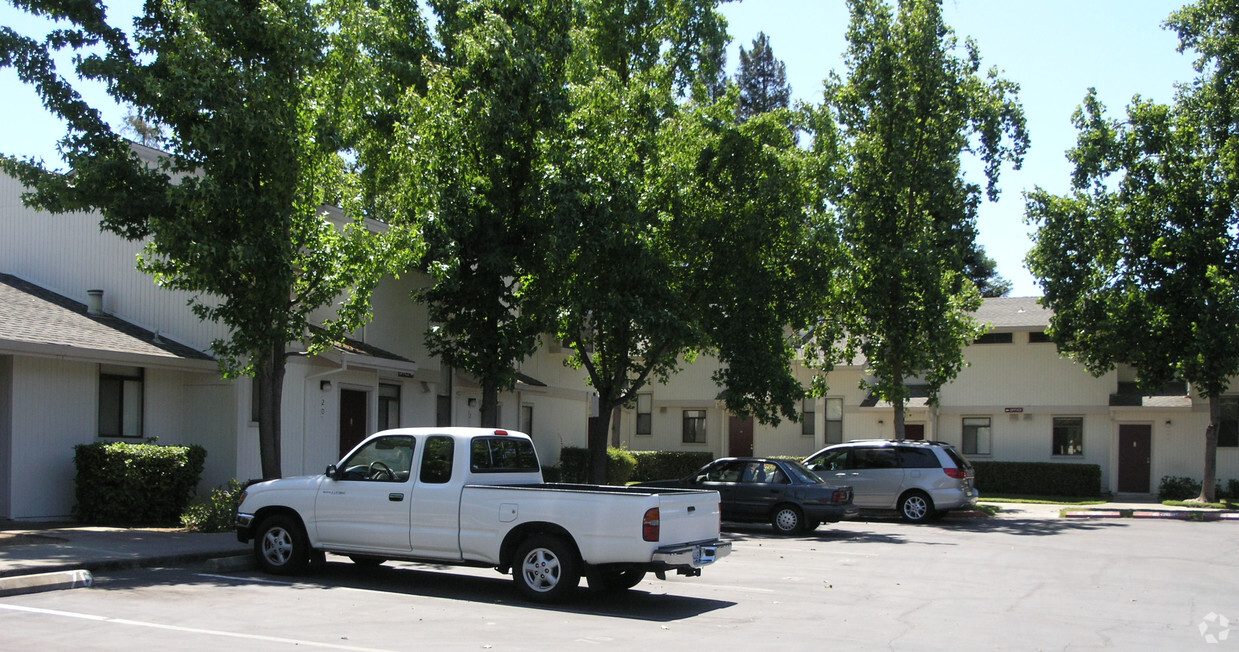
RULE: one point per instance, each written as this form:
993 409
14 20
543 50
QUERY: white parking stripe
188 630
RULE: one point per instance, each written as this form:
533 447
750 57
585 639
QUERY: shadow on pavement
430 581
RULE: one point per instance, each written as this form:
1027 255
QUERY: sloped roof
918 397
1013 313
38 321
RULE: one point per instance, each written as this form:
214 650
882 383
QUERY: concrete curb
56 581
1175 515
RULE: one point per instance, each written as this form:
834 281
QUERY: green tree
1139 261
233 210
449 154
762 80
912 105
667 242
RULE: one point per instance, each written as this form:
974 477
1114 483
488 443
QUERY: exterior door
1135 456
740 437
352 419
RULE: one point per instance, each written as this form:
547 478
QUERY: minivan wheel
916 507
787 519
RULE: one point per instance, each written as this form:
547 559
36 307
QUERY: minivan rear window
918 458
960 461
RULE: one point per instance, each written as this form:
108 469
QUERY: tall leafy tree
667 242
914 102
762 79
449 150
232 208
1140 262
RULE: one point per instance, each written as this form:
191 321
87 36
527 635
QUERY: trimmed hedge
669 465
1185 488
135 484
1038 478
217 512
574 465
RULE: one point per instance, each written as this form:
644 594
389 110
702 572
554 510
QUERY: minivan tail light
957 473
651 525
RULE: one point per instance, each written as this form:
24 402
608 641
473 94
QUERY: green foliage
762 80
231 203
1038 478
1177 488
1137 261
897 129
668 465
135 484
574 465
216 512
1185 488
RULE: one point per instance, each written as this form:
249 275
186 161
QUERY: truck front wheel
546 568
281 547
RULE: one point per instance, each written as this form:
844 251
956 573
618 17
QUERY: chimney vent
94 302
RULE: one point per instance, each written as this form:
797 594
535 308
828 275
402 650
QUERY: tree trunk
598 436
1208 485
270 378
490 407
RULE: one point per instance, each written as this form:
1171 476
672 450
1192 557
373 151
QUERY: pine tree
762 80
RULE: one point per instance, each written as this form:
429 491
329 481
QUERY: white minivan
916 478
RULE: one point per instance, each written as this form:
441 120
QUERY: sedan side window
724 472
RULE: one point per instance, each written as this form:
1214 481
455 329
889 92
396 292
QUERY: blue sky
1055 49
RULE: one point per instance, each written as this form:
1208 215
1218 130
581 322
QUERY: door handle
395 497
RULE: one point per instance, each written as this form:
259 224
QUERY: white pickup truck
475 497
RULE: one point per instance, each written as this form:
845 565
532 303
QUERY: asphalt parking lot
1022 581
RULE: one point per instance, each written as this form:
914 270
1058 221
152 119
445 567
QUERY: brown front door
740 436
914 431
352 419
1135 454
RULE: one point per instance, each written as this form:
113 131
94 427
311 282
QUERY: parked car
782 492
917 478
475 497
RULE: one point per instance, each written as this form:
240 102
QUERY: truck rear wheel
546 568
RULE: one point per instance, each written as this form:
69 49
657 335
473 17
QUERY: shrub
1177 488
574 465
1038 478
217 512
135 484
668 465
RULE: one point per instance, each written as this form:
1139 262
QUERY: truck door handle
395 498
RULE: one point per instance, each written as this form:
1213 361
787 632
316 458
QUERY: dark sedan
782 492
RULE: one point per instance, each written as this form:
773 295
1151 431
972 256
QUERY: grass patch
1225 504
1041 500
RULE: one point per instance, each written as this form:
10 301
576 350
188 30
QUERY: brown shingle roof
37 320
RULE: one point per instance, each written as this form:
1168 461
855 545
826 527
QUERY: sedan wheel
787 519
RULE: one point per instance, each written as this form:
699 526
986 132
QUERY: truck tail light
957 473
650 525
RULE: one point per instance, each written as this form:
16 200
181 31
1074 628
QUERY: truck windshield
503 455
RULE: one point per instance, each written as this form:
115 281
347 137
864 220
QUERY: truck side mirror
331 471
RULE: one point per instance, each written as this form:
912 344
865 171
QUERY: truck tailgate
688 515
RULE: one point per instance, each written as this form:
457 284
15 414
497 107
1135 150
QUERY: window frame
834 437
808 416
1228 427
385 403
988 429
645 417
693 428
1057 449
123 378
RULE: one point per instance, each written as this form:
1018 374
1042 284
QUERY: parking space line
186 630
